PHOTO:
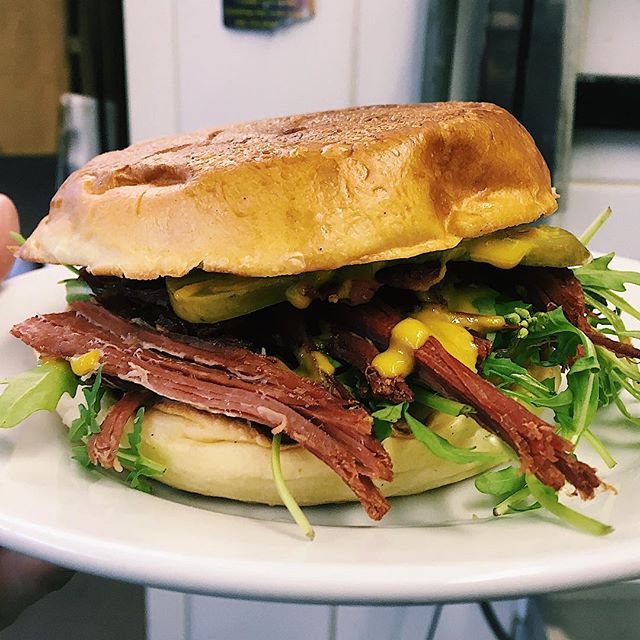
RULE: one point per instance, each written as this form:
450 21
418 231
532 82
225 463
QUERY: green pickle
530 246
213 297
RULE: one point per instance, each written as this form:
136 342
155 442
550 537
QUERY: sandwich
330 307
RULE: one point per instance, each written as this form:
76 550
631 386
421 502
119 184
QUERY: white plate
437 547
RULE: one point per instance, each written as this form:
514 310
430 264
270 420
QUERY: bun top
298 193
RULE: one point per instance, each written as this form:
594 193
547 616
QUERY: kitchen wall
186 70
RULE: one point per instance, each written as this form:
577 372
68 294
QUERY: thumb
8 222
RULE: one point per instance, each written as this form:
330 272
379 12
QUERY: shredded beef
541 451
228 380
351 292
234 365
414 277
360 352
484 346
553 287
103 447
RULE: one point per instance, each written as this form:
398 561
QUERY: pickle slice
214 297
530 246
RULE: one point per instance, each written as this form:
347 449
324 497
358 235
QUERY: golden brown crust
299 193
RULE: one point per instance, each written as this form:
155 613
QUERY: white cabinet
185 70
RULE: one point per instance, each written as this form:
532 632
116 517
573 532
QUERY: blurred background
79 77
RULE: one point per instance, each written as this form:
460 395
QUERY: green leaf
37 390
506 305
506 374
597 275
599 448
443 448
624 333
500 483
595 226
552 329
350 379
617 374
79 452
18 238
609 315
518 502
620 303
390 413
283 491
509 372
131 458
76 289
486 303
548 498
86 423
381 429
439 403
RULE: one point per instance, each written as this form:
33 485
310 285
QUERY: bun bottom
225 457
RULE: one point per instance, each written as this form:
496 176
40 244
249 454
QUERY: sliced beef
103 447
224 379
359 352
414 277
234 365
484 347
541 451
549 288
352 292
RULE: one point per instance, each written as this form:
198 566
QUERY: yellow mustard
451 335
411 333
503 253
323 363
407 336
313 364
86 363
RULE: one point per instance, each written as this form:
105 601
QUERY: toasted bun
299 193
225 457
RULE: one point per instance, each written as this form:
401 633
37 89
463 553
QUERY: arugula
500 483
518 492
18 238
599 282
439 403
384 416
283 491
76 289
37 390
381 429
597 275
508 372
548 499
389 412
509 487
86 424
130 458
551 341
350 379
595 226
442 448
